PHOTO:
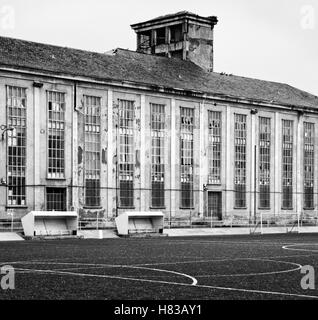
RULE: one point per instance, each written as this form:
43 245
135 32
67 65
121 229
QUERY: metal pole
261 223
255 181
116 164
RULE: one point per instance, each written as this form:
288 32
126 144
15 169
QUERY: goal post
283 223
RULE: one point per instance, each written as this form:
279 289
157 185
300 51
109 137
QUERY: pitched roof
125 65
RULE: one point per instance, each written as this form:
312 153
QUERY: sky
274 40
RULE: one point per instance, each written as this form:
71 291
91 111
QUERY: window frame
94 165
23 188
55 188
265 144
187 147
158 135
309 160
214 148
287 154
126 146
63 131
240 160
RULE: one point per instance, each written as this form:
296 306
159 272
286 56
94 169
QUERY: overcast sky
273 40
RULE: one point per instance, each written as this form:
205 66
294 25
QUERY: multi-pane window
264 162
16 146
56 134
287 164
126 153
157 155
186 142
309 164
214 118
92 150
56 199
240 144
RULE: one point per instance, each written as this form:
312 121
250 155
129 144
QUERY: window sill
157 208
56 179
183 208
287 209
93 207
309 209
127 208
264 209
239 208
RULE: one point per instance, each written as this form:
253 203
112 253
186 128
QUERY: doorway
215 205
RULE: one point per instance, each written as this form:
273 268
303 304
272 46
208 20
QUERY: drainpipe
116 165
72 143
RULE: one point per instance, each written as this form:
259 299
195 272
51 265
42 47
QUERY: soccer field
205 268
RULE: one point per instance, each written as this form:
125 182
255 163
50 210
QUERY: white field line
194 281
57 261
201 276
291 247
218 260
299 266
173 283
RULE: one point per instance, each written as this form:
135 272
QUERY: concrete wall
196 44
200 46
36 164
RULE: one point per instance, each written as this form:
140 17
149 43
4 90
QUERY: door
215 205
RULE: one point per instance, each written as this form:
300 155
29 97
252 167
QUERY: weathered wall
36 154
200 46
75 158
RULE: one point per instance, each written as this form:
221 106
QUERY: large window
264 162
126 153
240 133
16 146
186 142
214 119
309 164
92 150
287 164
56 199
157 154
56 134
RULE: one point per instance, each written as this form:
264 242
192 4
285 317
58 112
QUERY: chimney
182 35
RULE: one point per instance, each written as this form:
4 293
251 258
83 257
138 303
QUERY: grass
197 268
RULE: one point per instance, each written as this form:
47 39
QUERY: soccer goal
289 223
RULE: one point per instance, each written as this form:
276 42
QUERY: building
156 129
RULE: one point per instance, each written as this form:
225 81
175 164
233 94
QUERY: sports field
205 268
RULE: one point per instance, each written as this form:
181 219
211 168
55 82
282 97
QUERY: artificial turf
236 267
